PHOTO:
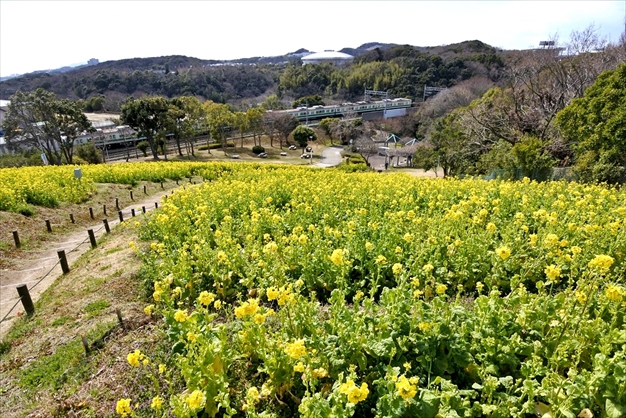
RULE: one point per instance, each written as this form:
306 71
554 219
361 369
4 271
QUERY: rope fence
131 212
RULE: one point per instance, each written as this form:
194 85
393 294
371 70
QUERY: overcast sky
50 34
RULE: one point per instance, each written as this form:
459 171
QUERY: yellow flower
195 400
157 295
148 309
320 372
191 337
134 358
252 394
381 259
337 257
405 389
398 250
221 256
162 368
614 293
369 246
552 272
296 349
206 298
479 287
601 263
441 289
302 239
247 308
259 319
424 326
551 240
428 268
272 293
123 407
581 297
491 227
299 367
180 316
157 403
355 394
217 304
504 252
397 268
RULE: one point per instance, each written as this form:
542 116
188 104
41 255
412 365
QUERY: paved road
331 157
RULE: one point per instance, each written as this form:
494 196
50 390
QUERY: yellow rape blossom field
291 291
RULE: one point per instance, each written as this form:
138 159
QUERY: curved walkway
331 157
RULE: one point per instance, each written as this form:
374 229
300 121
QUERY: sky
40 35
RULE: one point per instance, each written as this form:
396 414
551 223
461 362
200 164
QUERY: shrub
257 149
89 153
143 147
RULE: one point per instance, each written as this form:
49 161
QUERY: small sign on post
78 173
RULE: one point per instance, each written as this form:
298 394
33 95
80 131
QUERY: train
319 112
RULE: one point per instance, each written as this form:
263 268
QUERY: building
334 57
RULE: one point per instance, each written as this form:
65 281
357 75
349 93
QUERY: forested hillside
403 70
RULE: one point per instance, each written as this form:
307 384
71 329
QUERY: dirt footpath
39 269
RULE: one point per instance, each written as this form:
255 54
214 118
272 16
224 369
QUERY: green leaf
381 348
614 410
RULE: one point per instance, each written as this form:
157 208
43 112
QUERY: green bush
257 149
89 153
143 147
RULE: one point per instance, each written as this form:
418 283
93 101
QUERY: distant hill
256 77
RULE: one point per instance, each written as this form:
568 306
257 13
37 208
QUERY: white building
337 58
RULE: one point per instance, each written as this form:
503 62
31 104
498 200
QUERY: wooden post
27 302
121 215
106 226
144 189
83 339
16 238
143 209
177 182
72 218
132 212
92 238
104 209
91 213
63 259
119 317
161 184
48 225
156 205
117 203
131 195
189 179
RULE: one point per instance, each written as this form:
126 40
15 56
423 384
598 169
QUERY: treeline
401 70
563 106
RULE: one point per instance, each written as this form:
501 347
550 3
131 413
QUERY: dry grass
44 369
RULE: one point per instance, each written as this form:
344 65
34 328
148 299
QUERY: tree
190 117
241 122
313 100
148 116
326 125
303 134
596 125
254 115
285 124
220 119
38 119
366 147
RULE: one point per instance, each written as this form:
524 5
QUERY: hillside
257 77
